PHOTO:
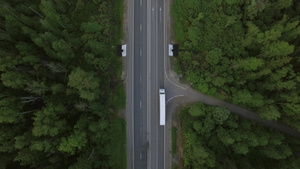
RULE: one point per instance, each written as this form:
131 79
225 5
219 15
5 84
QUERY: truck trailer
162 107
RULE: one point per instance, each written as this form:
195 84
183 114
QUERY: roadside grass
118 143
177 137
119 97
118 125
174 140
117 14
121 10
178 27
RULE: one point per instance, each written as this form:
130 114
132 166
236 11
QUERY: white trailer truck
162 107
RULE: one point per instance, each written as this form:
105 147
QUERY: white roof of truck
162 107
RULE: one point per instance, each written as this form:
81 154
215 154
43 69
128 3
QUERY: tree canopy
244 52
60 84
247 53
218 139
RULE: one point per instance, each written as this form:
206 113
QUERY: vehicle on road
162 107
124 47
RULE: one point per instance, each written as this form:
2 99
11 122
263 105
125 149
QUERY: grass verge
118 144
120 97
174 140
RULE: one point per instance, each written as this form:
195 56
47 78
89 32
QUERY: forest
246 52
61 85
215 138
242 51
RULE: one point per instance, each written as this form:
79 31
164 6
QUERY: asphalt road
156 55
146 55
136 85
140 85
145 67
145 75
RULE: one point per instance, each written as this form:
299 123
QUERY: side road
178 93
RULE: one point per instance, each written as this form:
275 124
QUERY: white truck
162 107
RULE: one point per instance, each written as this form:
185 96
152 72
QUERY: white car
170 50
124 50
